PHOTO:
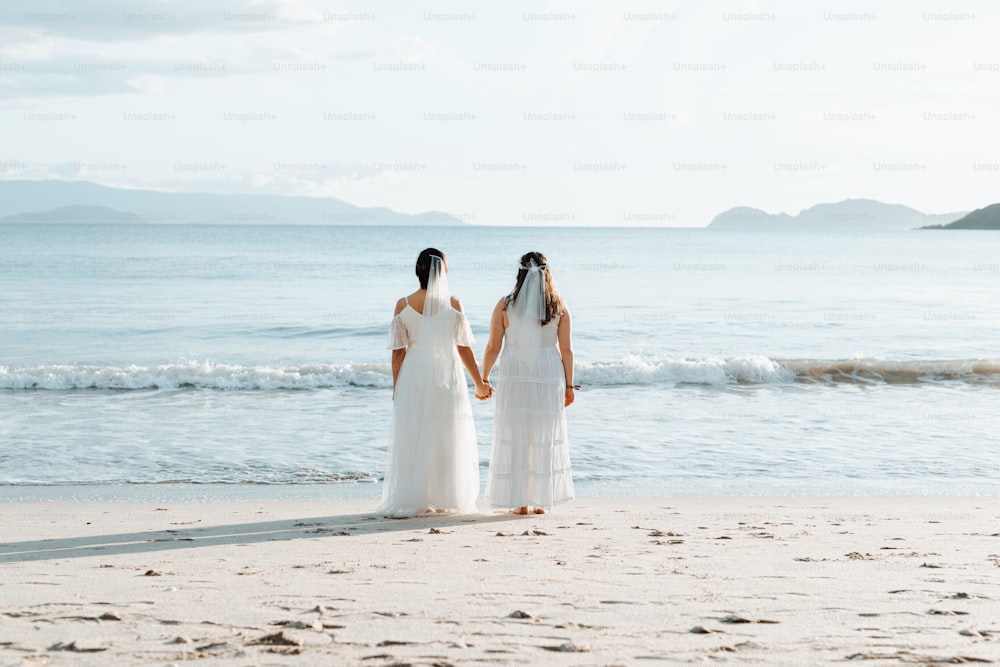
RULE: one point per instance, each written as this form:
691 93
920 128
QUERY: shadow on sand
242 533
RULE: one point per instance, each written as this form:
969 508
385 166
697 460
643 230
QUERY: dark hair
424 264
553 302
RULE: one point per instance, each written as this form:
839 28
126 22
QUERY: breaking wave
630 370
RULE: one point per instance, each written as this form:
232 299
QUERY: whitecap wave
197 375
629 371
635 370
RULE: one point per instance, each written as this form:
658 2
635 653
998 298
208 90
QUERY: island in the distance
76 215
987 217
78 202
848 214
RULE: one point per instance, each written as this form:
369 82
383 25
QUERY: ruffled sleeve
463 332
399 338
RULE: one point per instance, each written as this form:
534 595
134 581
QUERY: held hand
570 397
483 391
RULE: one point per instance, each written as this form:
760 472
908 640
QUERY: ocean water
230 359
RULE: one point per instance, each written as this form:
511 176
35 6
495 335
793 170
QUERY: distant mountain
19 197
76 215
848 214
987 217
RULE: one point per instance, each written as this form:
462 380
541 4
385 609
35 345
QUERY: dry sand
777 581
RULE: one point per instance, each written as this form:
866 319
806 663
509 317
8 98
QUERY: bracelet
572 386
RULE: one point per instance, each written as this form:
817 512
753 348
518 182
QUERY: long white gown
433 459
529 462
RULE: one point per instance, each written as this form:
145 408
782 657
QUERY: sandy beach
740 580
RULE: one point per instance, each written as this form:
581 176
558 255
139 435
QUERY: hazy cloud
136 19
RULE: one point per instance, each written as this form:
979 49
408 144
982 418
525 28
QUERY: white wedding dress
433 460
529 462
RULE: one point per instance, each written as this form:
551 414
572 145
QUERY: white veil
530 303
438 323
527 311
438 297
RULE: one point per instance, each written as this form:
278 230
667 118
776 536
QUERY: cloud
32 84
69 57
124 20
86 74
300 177
306 178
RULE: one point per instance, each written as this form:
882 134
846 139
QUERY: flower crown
532 265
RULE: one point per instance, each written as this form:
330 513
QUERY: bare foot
539 510
520 510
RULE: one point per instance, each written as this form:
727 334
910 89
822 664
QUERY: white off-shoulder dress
433 459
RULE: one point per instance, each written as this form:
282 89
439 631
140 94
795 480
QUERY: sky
513 113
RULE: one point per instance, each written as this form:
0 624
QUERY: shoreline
371 491
771 580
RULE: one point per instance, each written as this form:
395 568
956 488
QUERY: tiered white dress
529 462
433 459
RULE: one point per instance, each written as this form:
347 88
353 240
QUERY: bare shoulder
456 303
565 321
400 305
501 304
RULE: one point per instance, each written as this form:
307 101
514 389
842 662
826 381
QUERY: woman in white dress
433 463
529 462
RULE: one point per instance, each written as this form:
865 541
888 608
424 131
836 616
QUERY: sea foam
630 370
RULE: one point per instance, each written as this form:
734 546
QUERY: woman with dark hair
433 461
529 462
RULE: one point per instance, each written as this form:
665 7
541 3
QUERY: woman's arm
468 358
565 333
397 355
495 343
